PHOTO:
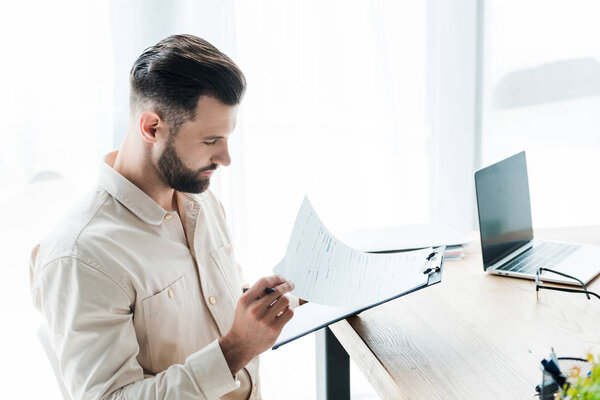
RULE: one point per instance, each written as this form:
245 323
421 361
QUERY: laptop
507 244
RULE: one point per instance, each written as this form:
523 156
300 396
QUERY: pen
551 368
268 290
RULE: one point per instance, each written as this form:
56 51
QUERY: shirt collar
132 197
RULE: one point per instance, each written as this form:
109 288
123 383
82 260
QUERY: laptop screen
504 208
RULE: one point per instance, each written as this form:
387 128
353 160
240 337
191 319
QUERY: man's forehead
213 117
211 108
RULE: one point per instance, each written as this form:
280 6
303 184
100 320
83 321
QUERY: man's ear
150 123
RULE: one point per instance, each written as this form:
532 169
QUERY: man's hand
259 318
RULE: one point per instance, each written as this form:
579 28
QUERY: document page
325 271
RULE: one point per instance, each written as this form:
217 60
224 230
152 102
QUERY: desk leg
333 368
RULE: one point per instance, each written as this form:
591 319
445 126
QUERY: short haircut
171 76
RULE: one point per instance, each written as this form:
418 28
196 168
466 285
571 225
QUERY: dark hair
175 72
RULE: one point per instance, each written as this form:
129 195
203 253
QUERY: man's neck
139 170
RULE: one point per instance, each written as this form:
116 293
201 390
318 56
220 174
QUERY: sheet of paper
310 317
325 271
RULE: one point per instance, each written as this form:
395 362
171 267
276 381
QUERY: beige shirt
136 298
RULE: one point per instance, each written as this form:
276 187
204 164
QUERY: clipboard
311 317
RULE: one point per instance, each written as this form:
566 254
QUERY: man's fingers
284 317
285 287
279 291
258 289
277 307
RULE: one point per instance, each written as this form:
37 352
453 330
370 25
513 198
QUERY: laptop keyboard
544 254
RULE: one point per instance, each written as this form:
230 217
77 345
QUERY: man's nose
222 157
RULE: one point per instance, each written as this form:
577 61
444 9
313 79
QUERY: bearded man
139 285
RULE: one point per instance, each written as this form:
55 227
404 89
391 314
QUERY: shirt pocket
167 317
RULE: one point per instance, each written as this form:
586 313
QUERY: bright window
541 93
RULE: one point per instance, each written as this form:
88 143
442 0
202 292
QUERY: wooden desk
474 335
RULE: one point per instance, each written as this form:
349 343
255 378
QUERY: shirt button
212 300
171 293
238 383
254 390
168 217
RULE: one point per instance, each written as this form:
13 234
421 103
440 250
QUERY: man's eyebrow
212 137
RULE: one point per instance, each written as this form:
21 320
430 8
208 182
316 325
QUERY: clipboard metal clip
429 270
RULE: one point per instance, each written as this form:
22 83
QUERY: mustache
209 168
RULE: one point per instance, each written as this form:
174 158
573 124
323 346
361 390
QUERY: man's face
191 156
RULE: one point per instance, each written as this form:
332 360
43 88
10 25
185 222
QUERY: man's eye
211 142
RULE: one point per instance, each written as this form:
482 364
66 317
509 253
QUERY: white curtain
335 109
56 99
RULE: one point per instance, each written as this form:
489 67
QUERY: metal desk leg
333 368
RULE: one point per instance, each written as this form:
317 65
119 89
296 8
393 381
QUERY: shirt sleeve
90 326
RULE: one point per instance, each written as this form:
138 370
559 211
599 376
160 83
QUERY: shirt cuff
212 372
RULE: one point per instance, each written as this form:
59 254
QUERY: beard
180 177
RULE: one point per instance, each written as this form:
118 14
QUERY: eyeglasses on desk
540 285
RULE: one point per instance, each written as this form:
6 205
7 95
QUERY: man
139 285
